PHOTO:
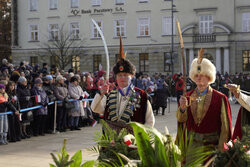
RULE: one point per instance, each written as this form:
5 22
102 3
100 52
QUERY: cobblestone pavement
35 152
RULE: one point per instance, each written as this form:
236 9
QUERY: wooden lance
183 58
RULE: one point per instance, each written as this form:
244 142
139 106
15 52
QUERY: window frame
72 5
246 22
164 25
54 31
97 57
167 64
36 5
72 37
93 28
139 27
33 60
55 2
32 31
120 3
145 64
120 27
248 58
96 2
204 22
76 62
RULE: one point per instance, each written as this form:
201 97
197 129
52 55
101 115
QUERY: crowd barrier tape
40 106
50 103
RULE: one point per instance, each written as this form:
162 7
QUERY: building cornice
205 9
143 11
242 7
53 17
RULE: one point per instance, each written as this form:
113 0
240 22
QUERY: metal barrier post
169 105
54 130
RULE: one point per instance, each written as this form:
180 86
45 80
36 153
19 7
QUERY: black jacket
24 96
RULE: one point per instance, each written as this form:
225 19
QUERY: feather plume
200 55
122 56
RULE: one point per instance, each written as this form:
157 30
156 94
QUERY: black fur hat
122 64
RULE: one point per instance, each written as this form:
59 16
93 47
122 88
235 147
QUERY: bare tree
5 28
63 45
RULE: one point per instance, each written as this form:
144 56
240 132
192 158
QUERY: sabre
107 57
183 58
238 87
105 47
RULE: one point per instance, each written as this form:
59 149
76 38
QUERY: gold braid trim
194 105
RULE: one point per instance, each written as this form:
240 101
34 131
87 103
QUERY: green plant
164 152
153 149
63 159
110 143
235 155
191 154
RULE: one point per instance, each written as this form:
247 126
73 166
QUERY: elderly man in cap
125 103
204 111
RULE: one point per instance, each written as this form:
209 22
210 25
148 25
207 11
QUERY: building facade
222 28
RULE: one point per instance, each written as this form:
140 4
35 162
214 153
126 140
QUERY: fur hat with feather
203 66
123 65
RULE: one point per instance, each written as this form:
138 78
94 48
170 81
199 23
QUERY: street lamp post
172 37
172 34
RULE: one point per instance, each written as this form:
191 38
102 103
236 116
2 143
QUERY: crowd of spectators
28 86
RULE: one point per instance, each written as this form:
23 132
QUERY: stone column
218 60
191 57
226 60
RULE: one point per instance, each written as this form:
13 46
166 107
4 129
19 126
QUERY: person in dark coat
14 122
40 114
160 98
24 96
49 88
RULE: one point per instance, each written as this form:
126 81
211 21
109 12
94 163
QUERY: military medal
125 96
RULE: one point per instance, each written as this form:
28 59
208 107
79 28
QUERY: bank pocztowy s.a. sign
96 11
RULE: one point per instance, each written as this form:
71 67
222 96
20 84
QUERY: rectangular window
167 62
74 3
33 33
95 33
167 25
206 24
119 2
120 28
53 4
143 62
74 31
246 60
33 5
245 22
143 27
96 2
76 63
97 59
54 61
33 60
53 32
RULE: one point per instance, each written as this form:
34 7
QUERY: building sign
96 11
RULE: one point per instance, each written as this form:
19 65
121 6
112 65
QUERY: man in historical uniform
242 126
205 111
125 103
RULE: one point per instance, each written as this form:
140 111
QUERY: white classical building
222 28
